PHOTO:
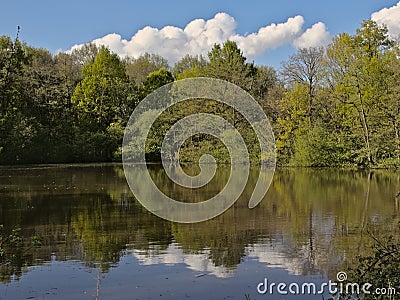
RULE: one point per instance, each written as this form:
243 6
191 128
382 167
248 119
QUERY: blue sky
59 25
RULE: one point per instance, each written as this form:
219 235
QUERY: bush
381 268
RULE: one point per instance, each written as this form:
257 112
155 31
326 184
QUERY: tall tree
266 90
85 54
359 71
102 97
392 107
104 100
69 69
49 109
305 67
295 122
228 63
13 133
189 66
155 80
139 68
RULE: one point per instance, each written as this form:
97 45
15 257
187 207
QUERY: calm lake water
97 241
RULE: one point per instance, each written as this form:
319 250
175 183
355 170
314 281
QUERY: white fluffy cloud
269 37
315 36
391 17
200 35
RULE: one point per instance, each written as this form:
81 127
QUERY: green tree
359 73
12 58
392 107
156 80
85 54
36 109
189 66
305 67
267 90
104 100
139 68
228 63
102 97
70 70
294 123
47 95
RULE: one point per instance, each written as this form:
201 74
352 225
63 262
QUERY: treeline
332 106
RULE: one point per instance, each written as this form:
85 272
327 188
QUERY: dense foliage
379 268
333 106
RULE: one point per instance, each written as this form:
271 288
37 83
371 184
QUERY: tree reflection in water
312 221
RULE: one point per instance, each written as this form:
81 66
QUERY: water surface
97 241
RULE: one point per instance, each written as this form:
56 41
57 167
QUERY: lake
98 242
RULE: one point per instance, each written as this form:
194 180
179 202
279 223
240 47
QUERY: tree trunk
397 138
364 124
310 104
